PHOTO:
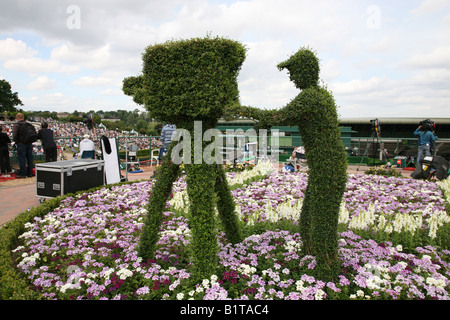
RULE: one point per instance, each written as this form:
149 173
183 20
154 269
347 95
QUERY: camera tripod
376 134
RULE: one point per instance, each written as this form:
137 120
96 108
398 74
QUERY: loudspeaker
110 154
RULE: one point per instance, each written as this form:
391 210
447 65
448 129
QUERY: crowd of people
60 141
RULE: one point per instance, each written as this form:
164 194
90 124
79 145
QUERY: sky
378 58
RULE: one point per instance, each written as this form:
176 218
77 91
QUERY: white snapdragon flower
319 294
108 273
299 285
18 248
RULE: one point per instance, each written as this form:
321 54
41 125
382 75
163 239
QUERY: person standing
5 165
166 137
48 143
21 137
425 142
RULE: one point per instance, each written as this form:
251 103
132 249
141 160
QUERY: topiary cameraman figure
314 111
183 82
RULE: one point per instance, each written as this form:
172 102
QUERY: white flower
124 273
108 273
246 269
319 294
18 248
427 257
199 289
180 296
65 287
299 285
440 283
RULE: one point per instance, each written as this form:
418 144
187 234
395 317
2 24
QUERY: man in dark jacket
5 165
24 150
48 143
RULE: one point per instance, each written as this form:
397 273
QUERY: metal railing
394 147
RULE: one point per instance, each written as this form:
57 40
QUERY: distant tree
141 126
54 115
152 129
97 119
114 125
8 99
74 118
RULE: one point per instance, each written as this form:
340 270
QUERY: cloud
330 70
96 58
61 101
402 66
37 65
423 94
91 81
10 48
438 57
111 92
354 87
18 56
430 6
42 83
98 20
57 101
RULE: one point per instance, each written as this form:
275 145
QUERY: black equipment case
432 166
55 179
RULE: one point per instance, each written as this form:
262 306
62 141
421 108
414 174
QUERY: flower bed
86 248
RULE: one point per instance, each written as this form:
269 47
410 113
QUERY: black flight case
55 179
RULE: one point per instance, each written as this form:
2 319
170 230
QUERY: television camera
427 125
375 126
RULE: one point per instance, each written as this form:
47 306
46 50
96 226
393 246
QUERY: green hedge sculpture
314 111
188 80
182 82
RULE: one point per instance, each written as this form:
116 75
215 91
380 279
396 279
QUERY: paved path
17 199
14 200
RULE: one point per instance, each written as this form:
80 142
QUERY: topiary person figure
182 82
314 111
